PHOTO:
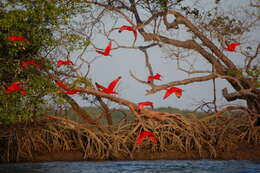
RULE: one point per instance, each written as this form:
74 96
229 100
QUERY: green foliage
39 23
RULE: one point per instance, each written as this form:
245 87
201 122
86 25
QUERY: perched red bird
110 88
61 85
157 76
169 91
142 104
26 63
145 134
232 46
128 28
70 92
61 62
15 87
107 50
17 38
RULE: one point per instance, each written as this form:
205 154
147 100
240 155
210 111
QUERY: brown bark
107 111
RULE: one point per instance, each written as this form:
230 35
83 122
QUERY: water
160 166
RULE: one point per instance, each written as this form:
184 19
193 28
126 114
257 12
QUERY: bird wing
113 84
108 48
168 93
157 76
140 138
150 79
122 28
61 85
100 52
140 105
59 63
99 86
68 62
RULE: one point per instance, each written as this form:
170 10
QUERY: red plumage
157 76
110 88
128 28
107 50
61 62
145 134
26 63
142 104
169 91
232 46
15 87
16 38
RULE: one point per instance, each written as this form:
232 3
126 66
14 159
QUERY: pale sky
105 69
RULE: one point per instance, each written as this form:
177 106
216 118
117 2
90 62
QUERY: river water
158 166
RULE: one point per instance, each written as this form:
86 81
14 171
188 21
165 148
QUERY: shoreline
252 153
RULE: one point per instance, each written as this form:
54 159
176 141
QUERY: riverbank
179 138
243 152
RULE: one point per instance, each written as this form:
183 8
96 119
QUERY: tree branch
156 88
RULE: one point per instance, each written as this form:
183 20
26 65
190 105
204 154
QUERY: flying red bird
232 46
145 134
17 38
157 76
70 92
142 104
128 28
26 63
169 91
110 88
107 50
61 85
15 87
61 62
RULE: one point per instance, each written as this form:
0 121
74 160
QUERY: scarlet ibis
142 104
107 50
157 76
169 91
128 28
110 88
26 63
61 85
145 134
16 38
15 87
61 62
70 92
232 46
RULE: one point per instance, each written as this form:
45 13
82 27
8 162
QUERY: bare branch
237 95
156 88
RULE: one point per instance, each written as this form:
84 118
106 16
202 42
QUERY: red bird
128 28
145 134
142 104
26 63
17 38
107 50
70 92
15 87
157 76
61 62
169 91
110 88
61 85
232 46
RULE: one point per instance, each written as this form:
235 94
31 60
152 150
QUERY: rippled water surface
160 166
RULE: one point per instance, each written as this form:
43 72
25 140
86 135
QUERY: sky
105 69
